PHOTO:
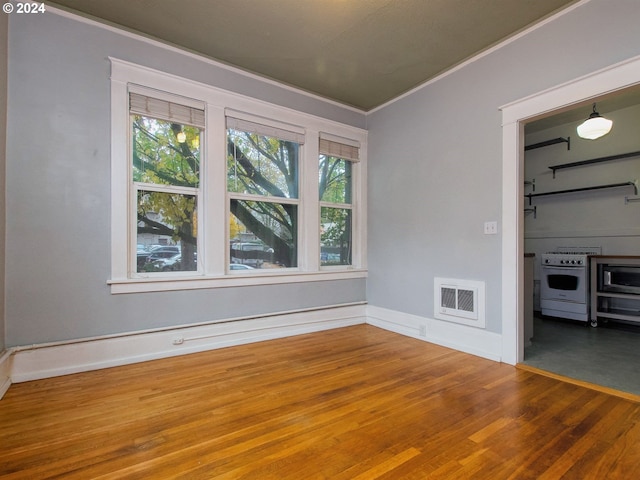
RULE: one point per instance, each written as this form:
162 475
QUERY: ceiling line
480 55
104 24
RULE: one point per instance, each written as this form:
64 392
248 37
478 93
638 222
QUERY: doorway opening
560 99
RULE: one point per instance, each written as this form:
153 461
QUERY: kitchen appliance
619 278
564 282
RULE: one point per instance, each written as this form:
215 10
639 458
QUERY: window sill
142 285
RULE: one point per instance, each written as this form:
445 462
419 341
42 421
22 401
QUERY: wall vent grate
459 301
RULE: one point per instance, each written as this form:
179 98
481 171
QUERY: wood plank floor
351 403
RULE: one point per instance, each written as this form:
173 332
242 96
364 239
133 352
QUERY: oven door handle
563 267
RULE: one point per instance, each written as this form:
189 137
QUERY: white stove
578 256
564 286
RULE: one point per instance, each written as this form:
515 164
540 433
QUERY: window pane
167 232
165 153
263 234
335 236
335 180
262 165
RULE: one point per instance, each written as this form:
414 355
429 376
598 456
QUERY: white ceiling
361 53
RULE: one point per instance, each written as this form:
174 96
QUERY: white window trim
214 274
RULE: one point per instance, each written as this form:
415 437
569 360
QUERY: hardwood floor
351 403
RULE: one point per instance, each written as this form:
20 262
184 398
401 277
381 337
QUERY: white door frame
514 116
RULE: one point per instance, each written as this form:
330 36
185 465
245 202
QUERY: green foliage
335 235
160 159
262 165
267 167
258 165
335 180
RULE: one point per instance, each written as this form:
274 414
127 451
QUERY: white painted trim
233 279
480 55
514 115
43 361
213 257
466 339
5 371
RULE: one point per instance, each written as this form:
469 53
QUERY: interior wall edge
5 372
471 340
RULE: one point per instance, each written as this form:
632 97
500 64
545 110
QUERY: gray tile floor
608 355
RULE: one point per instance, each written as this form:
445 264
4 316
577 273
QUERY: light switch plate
490 228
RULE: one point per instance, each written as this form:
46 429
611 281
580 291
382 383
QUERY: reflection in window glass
172 219
261 171
262 165
335 182
335 236
165 153
263 234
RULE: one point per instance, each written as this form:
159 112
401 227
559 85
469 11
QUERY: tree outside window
166 178
262 181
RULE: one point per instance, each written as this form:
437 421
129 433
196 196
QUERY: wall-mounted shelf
546 143
584 189
593 160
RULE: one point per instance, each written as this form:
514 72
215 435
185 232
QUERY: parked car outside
239 266
170 264
166 251
253 254
167 264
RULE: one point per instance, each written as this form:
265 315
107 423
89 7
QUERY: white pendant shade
595 126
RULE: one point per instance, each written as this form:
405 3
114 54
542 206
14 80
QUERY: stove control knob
573 262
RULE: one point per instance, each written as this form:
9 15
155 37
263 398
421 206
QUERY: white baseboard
45 361
5 372
466 339
23 364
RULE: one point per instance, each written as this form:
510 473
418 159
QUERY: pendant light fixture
595 126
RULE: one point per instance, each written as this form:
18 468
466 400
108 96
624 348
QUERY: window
211 189
165 162
336 207
263 167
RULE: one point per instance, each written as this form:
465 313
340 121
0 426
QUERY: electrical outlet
490 228
423 330
178 341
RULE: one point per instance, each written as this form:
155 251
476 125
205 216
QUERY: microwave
619 278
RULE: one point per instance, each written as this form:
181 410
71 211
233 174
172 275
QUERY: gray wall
435 156
3 136
58 190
